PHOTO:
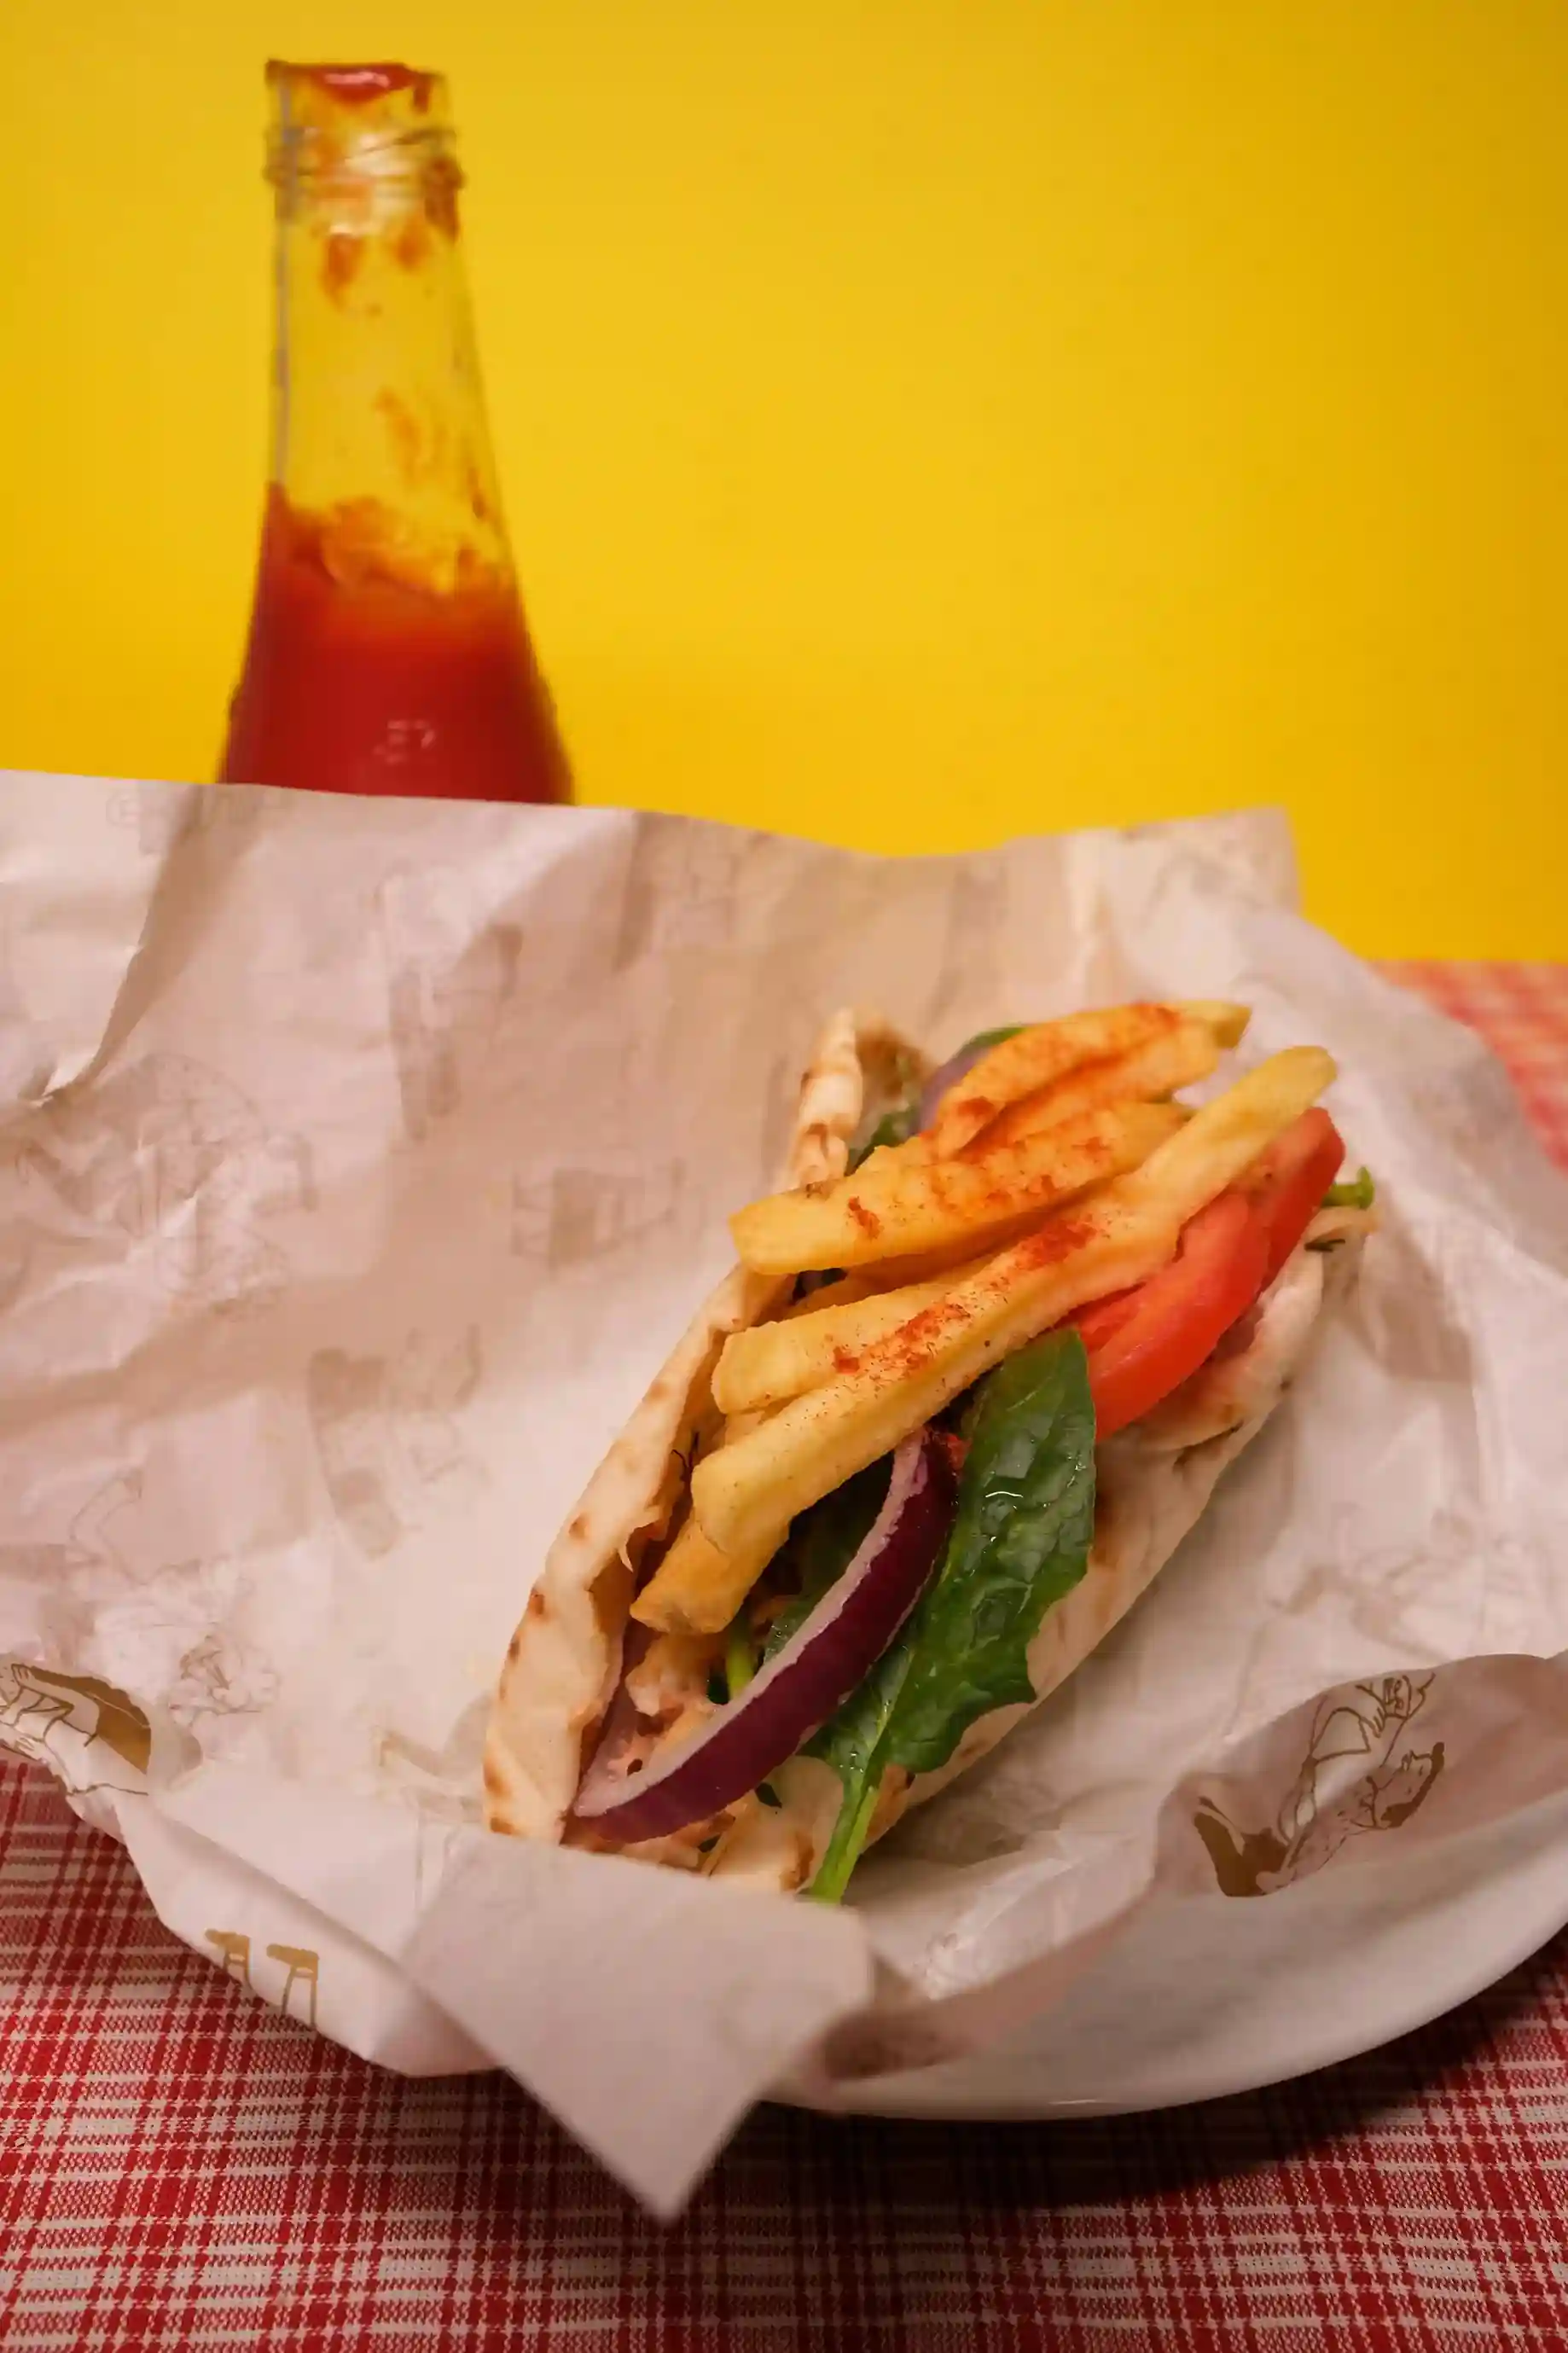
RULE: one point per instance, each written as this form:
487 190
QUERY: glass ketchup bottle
387 650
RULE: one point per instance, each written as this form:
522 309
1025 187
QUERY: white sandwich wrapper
360 1161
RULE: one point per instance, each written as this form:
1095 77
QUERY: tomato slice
1142 1343
1287 1184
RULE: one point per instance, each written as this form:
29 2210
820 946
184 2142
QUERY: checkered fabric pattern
1521 1010
182 2167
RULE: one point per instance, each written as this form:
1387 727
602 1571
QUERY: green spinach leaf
852 1742
895 1126
1020 1540
983 1039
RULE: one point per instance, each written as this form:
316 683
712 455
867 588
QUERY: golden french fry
1172 1059
812 1445
901 1208
894 1274
924 1266
741 1425
774 1362
745 1496
1039 1056
860 1285
1229 1133
697 1587
1228 1022
913 1147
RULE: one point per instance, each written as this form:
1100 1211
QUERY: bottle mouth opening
358 126
361 85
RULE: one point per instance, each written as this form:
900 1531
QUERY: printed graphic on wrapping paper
158 818
575 1216
442 1784
180 1628
1361 1773
682 890
62 1576
450 972
350 1308
168 1154
84 1729
389 1434
122 1583
300 1965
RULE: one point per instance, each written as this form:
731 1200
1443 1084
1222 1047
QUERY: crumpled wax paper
360 1162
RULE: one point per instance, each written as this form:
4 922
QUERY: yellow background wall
920 419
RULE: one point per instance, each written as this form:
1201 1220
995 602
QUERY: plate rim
858 2101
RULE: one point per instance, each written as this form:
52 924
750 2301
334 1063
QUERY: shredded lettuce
895 1126
740 1656
1358 1193
983 1039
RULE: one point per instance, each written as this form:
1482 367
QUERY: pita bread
1152 1484
564 1661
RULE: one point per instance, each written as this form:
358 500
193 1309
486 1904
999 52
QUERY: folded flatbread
579 1669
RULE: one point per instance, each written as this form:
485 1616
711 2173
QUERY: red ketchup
356 681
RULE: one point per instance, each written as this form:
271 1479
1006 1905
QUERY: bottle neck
378 423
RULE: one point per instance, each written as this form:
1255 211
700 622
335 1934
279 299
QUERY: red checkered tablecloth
180 2166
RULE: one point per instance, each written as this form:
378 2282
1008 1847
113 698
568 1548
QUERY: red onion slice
801 1685
957 1066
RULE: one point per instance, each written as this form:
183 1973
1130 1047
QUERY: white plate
1209 1994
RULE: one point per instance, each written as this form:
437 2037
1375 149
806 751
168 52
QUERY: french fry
774 1362
888 1274
697 1587
901 1208
892 1274
1170 1059
741 1425
1229 1022
744 1497
1228 1133
1038 1056
923 1266
864 1280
